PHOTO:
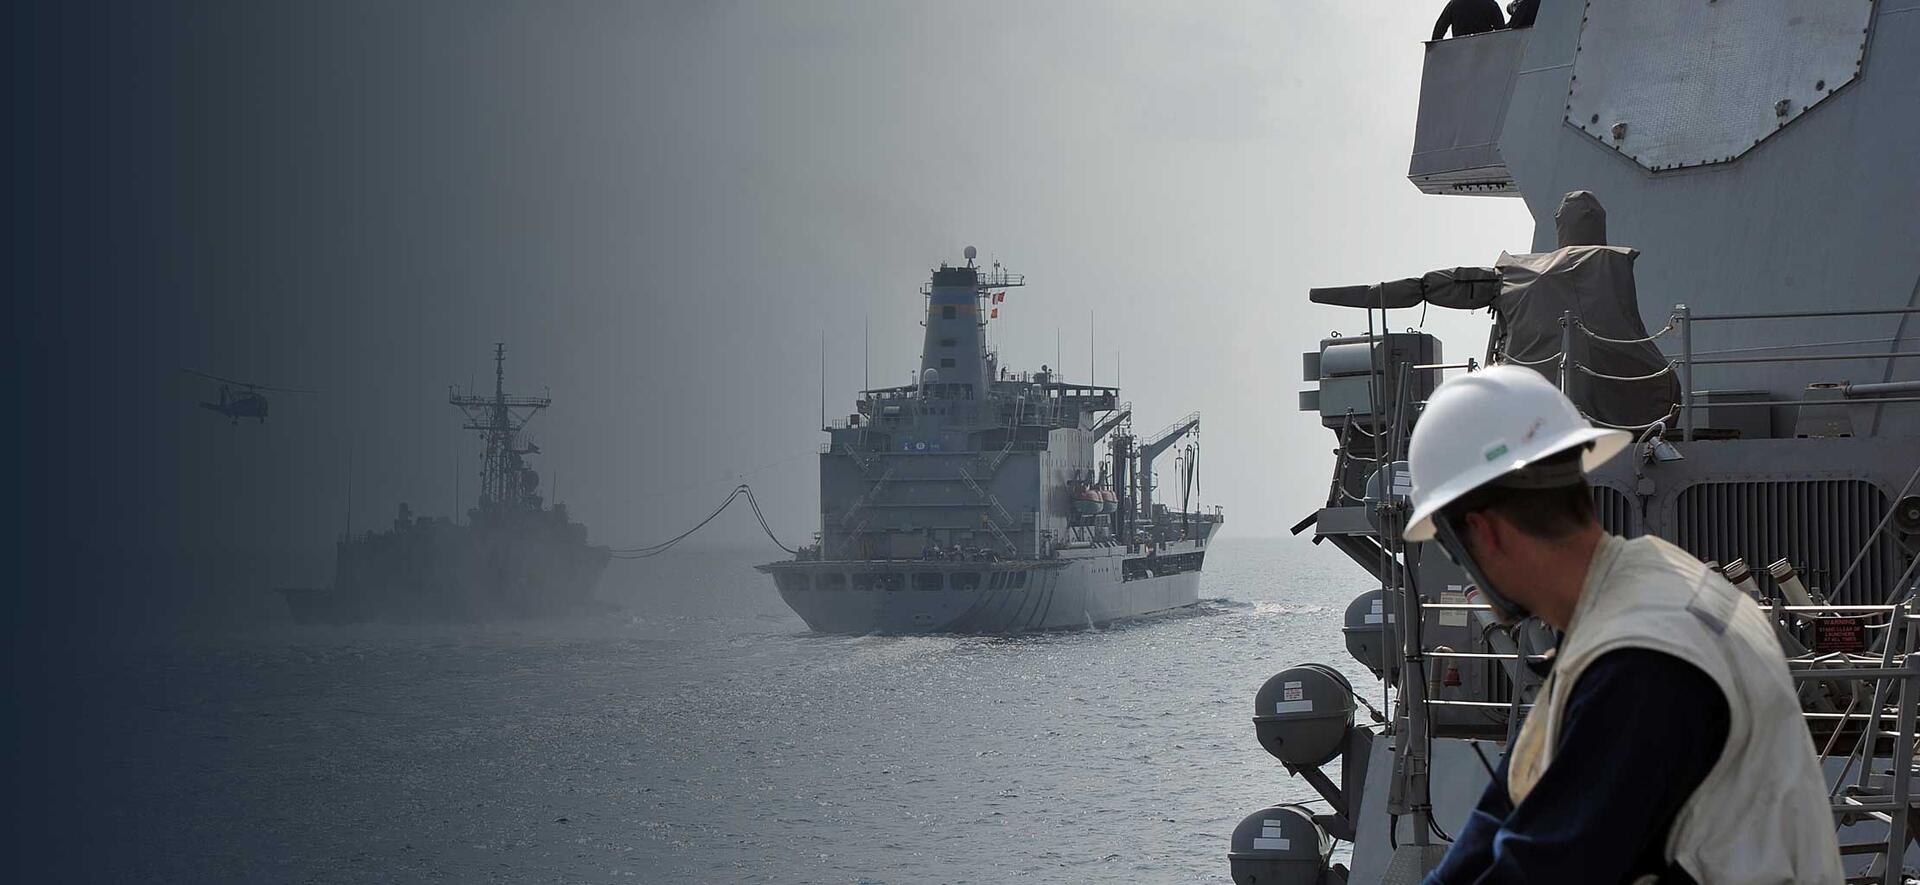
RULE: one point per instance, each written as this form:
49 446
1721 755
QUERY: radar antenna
505 478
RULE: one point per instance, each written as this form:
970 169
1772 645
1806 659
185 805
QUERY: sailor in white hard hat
1667 743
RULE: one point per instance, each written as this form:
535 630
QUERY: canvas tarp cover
1595 283
1461 288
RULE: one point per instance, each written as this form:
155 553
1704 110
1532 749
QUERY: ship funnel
955 350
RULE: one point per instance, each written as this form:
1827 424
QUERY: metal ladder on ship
1880 789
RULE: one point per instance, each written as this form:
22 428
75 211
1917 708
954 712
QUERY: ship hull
328 605
1079 588
440 572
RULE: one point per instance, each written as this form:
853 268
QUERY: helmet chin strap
1505 610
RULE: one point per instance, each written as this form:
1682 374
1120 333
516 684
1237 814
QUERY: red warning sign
1839 634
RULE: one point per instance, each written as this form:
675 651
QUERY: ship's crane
1107 425
1157 444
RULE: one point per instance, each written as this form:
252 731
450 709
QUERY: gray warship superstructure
978 500
512 557
1758 332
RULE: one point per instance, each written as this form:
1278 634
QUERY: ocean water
698 734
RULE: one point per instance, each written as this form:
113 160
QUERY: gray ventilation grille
1818 525
1616 512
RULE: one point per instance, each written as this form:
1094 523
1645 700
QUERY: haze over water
701 733
663 209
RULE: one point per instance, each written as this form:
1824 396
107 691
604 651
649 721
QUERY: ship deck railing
1683 364
1684 319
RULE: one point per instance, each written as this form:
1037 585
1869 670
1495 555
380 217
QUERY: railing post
1566 349
1683 315
1897 827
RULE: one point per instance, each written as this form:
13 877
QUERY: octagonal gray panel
1679 83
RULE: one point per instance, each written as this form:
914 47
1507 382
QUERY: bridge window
966 580
948 342
926 580
863 581
997 580
832 581
1017 579
946 363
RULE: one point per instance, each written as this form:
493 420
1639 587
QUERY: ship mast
955 358
505 478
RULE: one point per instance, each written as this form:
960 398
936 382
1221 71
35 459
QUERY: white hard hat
1480 426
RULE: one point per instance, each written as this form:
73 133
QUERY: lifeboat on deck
1087 502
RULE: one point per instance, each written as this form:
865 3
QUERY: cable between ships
740 490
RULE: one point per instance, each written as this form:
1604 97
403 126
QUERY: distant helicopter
240 399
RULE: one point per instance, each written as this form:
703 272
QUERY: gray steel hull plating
900 597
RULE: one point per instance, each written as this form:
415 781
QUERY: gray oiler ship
512 557
978 500
1748 306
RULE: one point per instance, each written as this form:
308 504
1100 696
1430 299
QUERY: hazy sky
662 207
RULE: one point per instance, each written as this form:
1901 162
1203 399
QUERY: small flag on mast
999 297
994 315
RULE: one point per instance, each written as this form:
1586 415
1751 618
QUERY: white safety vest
1761 815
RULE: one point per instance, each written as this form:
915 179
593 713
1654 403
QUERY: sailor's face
1491 539
1453 542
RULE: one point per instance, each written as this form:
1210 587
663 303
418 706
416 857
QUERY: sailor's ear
1486 532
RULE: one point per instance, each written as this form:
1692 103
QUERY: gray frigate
512 556
1726 262
982 500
